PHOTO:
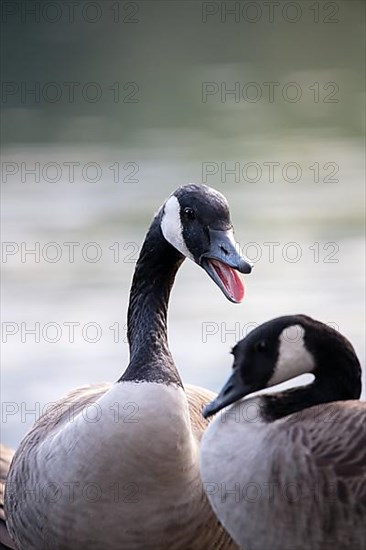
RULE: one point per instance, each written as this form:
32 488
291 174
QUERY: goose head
195 220
284 348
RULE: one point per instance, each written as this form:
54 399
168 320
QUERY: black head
284 348
196 221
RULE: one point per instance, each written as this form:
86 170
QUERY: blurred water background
164 124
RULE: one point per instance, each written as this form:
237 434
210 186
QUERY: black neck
340 381
150 357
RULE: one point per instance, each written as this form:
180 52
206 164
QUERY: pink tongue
230 279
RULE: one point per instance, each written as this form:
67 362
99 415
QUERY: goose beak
223 261
233 390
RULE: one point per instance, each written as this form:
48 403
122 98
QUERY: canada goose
287 471
116 466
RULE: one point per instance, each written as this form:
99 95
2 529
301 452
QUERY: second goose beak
223 261
233 390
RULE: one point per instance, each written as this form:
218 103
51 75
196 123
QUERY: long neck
150 357
339 382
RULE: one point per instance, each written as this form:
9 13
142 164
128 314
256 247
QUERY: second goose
287 471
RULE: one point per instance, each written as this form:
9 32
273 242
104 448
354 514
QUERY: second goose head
284 348
195 219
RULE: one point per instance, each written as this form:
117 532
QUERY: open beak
233 390
222 262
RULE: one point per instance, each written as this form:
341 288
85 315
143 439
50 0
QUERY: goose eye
261 346
189 213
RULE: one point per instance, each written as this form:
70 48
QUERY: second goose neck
341 382
150 357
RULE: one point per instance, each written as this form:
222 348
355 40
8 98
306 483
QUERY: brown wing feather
320 452
338 448
198 397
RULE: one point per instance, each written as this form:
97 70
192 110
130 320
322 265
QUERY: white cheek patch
171 226
293 357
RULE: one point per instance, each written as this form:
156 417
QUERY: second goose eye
189 213
261 346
